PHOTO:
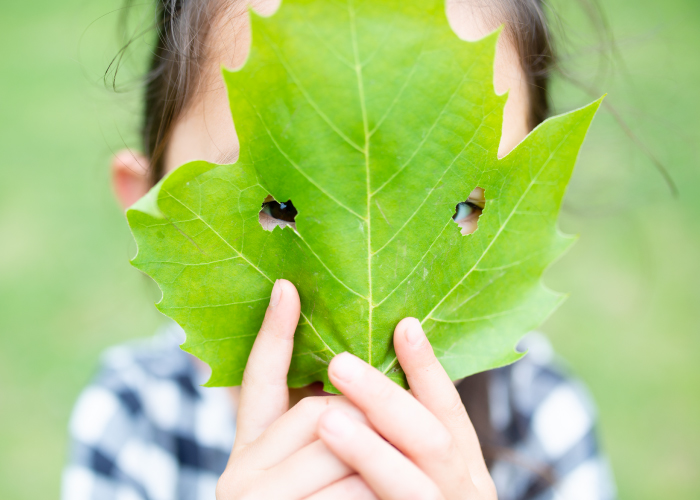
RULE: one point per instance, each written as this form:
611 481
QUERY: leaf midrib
365 128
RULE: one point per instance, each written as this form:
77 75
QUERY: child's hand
432 450
277 453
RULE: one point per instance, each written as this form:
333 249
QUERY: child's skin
378 441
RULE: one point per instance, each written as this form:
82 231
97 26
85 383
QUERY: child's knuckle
439 446
384 391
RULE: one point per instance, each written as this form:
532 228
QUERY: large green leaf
375 120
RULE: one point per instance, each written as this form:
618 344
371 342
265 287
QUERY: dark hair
180 50
527 29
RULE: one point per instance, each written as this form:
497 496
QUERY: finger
401 419
264 393
391 475
351 488
295 429
307 471
432 386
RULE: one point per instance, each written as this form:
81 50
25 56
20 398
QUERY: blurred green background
630 329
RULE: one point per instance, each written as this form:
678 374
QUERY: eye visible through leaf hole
467 212
274 213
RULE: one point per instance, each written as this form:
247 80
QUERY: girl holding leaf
145 429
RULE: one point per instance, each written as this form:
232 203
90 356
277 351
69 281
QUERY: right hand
277 453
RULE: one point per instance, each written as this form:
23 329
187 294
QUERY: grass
630 328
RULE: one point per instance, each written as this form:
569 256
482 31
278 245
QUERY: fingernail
346 367
414 333
276 294
337 423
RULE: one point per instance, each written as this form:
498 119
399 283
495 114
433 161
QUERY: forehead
205 130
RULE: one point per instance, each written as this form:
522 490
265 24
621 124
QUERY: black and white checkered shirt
146 430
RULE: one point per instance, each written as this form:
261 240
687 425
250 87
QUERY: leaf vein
244 258
308 98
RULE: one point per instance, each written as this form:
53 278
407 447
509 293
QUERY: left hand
424 445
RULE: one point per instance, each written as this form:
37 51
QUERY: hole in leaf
273 214
467 212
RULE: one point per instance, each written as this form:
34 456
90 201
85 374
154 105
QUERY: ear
130 178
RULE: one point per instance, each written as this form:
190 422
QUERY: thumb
264 393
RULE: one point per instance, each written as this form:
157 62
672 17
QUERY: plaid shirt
146 430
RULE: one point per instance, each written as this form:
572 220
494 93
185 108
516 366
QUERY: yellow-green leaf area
375 119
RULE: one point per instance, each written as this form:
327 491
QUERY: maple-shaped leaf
375 120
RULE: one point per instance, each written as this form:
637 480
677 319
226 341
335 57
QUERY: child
145 429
